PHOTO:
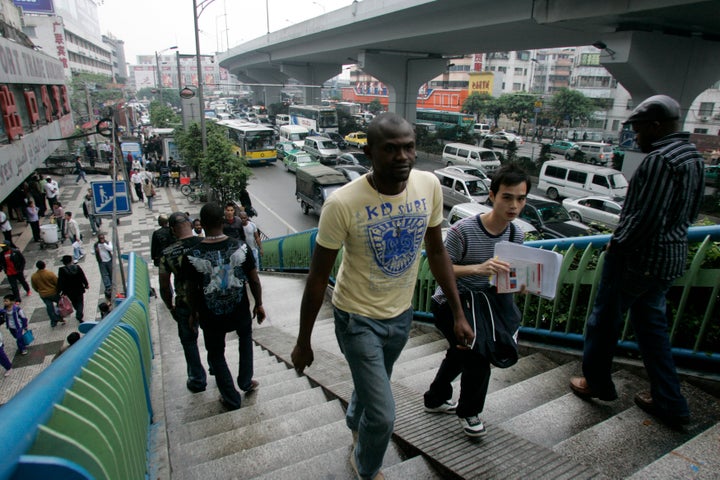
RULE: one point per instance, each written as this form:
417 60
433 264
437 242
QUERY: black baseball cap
655 109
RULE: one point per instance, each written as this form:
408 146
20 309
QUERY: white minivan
462 153
293 133
568 179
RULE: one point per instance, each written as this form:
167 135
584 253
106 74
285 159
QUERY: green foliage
347 124
478 104
375 106
189 143
571 106
92 87
227 174
511 151
162 116
518 106
170 95
528 165
428 142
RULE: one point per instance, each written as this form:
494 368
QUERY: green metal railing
88 415
563 319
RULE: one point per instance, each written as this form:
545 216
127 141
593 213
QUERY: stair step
429 362
206 404
256 434
271 456
632 439
416 468
431 346
333 464
528 394
247 415
697 458
560 419
422 336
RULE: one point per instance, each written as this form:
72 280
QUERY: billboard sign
36 6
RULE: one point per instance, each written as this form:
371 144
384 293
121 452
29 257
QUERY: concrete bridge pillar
265 84
313 75
649 64
402 73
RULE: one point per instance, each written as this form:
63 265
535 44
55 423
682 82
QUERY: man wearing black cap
646 253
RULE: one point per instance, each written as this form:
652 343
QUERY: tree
170 95
162 116
518 106
92 87
226 173
477 104
189 143
375 107
570 105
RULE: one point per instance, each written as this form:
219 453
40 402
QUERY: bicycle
191 187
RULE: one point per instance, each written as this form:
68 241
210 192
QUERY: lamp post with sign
159 74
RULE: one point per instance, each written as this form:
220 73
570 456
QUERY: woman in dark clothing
73 283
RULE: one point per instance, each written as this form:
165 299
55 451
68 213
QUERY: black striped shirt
663 200
468 243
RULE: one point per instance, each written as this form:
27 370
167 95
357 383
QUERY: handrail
85 414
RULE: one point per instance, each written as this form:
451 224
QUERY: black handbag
495 320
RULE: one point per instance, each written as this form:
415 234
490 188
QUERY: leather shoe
644 400
580 387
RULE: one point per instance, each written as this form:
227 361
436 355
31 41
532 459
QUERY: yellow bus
255 143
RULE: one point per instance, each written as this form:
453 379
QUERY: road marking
256 200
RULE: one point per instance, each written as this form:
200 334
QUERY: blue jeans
215 346
50 307
197 379
150 202
106 274
620 290
371 348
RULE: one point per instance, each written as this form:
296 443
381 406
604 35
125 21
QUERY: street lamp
202 6
157 65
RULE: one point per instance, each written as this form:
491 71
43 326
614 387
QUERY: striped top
468 243
663 200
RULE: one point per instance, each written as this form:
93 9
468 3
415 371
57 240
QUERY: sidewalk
134 233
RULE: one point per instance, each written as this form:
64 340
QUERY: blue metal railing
87 415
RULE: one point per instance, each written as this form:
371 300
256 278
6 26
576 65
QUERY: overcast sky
147 26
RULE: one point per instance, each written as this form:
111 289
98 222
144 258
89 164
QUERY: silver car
602 210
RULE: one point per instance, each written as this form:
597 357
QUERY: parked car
603 210
592 152
502 139
354 158
337 138
298 159
551 219
474 171
712 173
458 187
356 139
561 146
283 148
352 172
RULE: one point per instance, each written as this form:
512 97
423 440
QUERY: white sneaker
472 426
447 407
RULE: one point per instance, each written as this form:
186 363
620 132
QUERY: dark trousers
78 303
215 346
197 378
35 227
473 368
13 280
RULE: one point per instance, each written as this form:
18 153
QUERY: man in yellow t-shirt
381 220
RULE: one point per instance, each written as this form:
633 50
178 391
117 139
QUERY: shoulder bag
495 320
28 337
65 307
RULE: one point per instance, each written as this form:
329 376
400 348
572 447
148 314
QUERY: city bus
446 121
349 107
314 118
254 142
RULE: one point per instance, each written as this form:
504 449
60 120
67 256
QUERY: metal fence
87 416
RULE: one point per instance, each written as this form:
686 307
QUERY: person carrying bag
488 336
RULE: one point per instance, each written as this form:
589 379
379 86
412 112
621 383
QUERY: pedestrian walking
647 251
4 360
12 262
104 255
71 229
136 179
88 209
73 283
79 170
58 216
223 306
232 225
252 237
33 215
149 191
45 282
471 246
52 191
16 321
380 221
6 227
161 239
171 267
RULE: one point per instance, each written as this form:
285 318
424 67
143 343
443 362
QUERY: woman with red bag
72 283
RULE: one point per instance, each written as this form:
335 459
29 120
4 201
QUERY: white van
481 129
567 179
463 210
293 133
462 153
282 119
322 148
459 187
592 152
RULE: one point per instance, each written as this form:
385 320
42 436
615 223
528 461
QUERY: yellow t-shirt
381 242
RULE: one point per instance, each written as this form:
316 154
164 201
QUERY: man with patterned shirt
219 269
647 252
380 221
171 265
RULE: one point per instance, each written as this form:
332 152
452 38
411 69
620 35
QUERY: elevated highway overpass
653 46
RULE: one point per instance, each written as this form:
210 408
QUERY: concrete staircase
293 426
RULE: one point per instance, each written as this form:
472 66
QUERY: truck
314 184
